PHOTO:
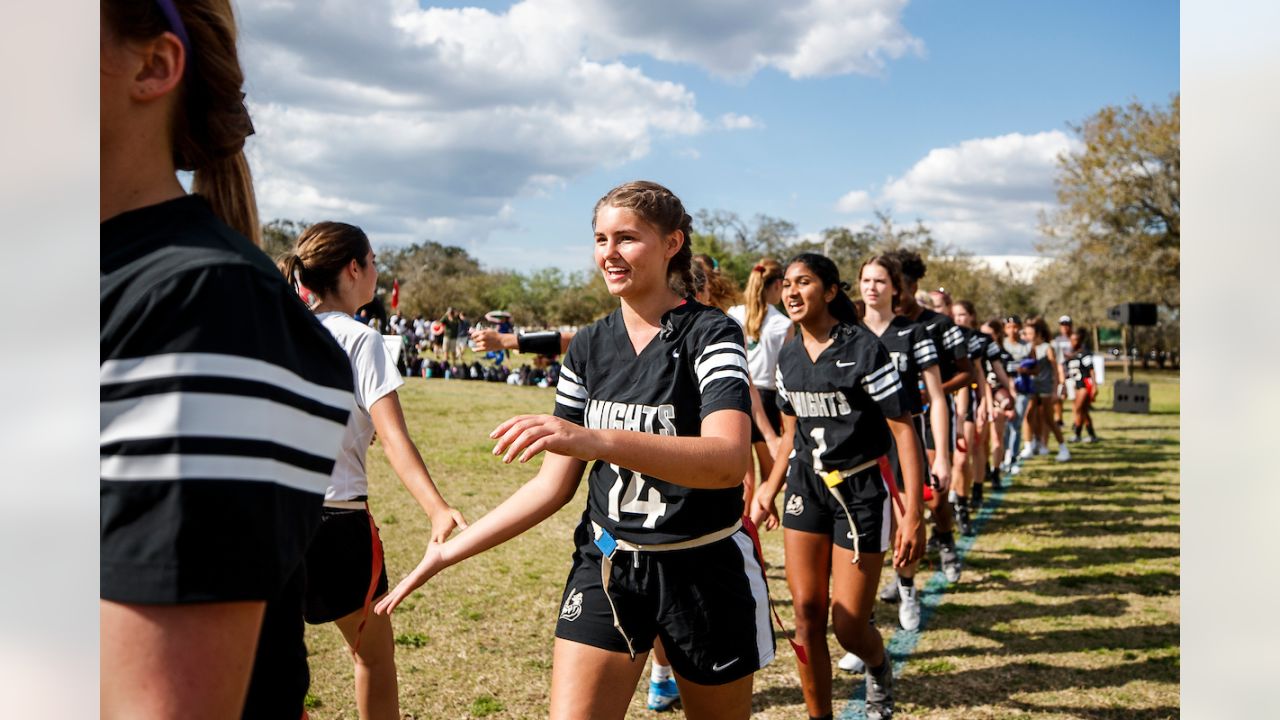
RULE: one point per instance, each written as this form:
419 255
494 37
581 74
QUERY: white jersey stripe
879 380
570 402
741 374
571 388
717 347
566 372
189 414
760 593
176 466
886 392
705 367
154 367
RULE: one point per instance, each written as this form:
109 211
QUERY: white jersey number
630 497
819 435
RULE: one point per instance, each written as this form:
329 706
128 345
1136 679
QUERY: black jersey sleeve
783 401
976 347
571 388
881 382
953 339
719 359
223 403
923 349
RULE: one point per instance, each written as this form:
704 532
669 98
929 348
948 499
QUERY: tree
1115 234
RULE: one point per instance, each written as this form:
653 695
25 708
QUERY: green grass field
1068 607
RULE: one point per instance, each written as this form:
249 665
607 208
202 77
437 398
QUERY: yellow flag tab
833 478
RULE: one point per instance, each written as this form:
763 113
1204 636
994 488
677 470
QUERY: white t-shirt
375 376
762 354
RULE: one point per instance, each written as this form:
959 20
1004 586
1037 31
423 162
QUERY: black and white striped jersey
913 352
841 400
948 339
223 404
695 366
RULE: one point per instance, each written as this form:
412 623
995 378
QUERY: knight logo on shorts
572 606
795 506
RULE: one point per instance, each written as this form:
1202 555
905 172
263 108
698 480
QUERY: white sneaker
1042 449
852 663
1028 449
1015 469
1063 453
909 609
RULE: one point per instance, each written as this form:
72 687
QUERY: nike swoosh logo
675 353
930 327
903 332
846 364
718 668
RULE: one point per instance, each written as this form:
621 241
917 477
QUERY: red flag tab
395 295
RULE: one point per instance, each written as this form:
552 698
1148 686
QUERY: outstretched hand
443 522
524 436
432 563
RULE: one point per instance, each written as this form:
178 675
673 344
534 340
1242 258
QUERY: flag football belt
609 545
345 504
833 478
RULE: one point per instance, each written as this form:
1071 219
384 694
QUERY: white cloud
734 121
854 201
411 120
982 195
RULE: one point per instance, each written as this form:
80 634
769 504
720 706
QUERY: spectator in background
450 344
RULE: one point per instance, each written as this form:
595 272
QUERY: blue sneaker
663 695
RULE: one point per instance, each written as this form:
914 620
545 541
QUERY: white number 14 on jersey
651 505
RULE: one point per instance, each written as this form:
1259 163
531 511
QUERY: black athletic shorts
709 605
917 424
769 399
340 565
951 426
810 507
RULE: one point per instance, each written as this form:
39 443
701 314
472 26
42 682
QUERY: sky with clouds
495 126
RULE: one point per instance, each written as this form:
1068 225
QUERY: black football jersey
1079 365
840 402
695 366
948 339
912 352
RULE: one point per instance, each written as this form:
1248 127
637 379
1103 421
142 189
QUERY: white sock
660 673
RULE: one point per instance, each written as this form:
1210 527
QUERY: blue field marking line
904 642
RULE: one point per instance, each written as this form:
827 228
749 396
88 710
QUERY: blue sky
497 127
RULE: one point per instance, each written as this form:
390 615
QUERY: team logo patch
572 606
795 506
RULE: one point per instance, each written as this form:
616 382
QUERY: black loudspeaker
1133 313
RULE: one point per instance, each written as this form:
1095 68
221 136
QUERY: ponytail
211 122
765 273
320 254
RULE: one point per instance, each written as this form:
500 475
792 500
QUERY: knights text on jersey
841 400
695 366
948 339
913 352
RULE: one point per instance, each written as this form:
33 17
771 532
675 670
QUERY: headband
175 22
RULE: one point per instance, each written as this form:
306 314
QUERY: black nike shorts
340 565
709 605
810 507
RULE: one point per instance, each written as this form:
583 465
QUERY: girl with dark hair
1081 379
656 397
1002 400
223 401
842 399
346 573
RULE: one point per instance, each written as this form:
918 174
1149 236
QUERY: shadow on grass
998 684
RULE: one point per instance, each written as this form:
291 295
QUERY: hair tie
758 268
845 286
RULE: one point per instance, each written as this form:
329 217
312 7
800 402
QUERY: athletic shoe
880 694
975 498
1063 454
932 544
1074 438
663 695
1028 449
889 593
950 560
1042 450
909 610
851 663
1015 469
1091 439
963 520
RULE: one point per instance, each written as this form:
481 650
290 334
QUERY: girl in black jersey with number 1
655 396
837 387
